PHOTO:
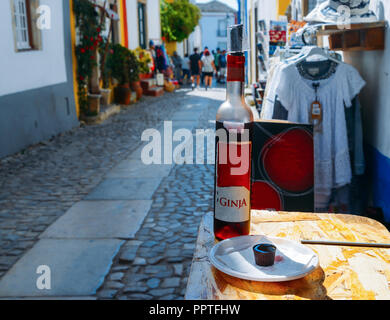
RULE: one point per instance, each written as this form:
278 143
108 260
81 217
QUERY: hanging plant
89 30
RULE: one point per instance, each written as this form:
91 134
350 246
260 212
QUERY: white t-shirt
186 63
331 152
207 63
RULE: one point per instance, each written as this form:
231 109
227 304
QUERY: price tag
316 111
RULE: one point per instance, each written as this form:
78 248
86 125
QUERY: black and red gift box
282 166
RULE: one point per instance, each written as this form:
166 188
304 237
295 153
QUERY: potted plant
134 71
119 63
105 72
145 61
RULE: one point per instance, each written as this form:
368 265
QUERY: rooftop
215 6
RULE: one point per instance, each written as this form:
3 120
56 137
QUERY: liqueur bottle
233 148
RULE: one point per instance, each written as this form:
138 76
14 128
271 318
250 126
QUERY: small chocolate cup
264 254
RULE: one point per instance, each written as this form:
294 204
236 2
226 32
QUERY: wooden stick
347 244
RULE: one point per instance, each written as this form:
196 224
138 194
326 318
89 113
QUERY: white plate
235 257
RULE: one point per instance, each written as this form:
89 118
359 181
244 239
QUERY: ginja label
232 204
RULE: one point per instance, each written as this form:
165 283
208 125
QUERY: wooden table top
343 272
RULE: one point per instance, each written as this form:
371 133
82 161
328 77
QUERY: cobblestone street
40 184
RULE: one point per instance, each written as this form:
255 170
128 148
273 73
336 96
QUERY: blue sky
232 3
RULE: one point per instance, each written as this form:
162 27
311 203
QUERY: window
222 28
142 25
27 35
22 24
115 26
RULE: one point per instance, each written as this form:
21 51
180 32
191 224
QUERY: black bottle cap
236 39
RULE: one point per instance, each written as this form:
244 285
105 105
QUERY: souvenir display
342 12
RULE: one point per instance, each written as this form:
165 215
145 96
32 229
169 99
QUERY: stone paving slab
136 154
77 267
189 114
135 168
184 124
125 189
100 219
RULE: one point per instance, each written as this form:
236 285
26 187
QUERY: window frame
27 44
34 34
222 32
142 24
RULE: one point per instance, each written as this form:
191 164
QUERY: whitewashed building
36 78
142 22
216 17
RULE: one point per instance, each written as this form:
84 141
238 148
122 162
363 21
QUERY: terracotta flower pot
122 94
136 86
143 76
106 94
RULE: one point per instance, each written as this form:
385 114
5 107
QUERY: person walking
201 55
177 65
222 66
208 68
186 68
194 68
216 62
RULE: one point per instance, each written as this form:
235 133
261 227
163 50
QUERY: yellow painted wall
170 47
282 6
122 24
74 60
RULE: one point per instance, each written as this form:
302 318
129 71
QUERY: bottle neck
235 91
235 78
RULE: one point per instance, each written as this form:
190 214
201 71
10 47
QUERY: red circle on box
288 160
265 197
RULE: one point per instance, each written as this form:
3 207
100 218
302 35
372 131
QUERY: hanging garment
350 198
272 84
160 59
353 118
354 124
336 91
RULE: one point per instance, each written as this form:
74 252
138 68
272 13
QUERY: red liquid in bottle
233 157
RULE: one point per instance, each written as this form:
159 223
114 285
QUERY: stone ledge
107 111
